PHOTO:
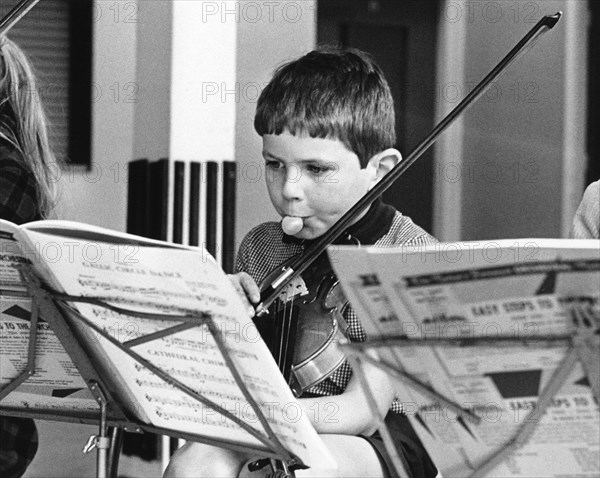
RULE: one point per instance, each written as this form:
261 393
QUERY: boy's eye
272 164
314 169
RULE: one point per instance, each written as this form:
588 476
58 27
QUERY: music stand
52 304
583 345
108 414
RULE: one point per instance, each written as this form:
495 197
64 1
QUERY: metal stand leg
115 451
101 441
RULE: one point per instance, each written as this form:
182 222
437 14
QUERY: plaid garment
18 445
18 201
18 204
267 247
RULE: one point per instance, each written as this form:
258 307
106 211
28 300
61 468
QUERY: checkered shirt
264 249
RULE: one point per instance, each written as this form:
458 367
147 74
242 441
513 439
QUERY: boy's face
313 178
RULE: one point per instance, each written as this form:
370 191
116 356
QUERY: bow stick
13 17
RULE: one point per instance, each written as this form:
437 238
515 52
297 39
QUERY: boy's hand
247 290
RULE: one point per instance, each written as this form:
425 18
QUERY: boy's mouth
292 225
293 214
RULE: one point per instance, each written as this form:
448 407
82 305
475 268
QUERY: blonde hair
23 122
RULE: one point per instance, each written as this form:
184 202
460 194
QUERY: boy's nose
292 185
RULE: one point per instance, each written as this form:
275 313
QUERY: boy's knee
182 463
194 460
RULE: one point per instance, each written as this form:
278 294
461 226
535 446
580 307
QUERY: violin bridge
295 288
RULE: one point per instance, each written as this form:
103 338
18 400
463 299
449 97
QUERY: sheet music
177 281
56 385
11 257
517 288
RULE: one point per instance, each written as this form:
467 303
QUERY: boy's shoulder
266 231
263 249
404 231
268 238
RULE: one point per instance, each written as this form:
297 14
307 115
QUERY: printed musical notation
219 362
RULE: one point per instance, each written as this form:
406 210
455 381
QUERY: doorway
401 37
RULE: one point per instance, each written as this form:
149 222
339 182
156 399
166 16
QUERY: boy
328 129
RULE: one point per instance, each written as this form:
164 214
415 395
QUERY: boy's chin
303 235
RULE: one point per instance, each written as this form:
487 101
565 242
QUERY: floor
60 455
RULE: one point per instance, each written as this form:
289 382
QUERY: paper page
89 232
518 288
175 281
439 426
566 438
364 289
11 256
373 306
56 385
510 287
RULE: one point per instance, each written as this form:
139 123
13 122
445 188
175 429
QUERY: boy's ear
382 163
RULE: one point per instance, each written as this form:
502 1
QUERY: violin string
288 326
284 312
284 335
280 357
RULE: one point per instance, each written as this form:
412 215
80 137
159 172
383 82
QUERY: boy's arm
351 413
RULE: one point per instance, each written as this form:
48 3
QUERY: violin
300 314
309 313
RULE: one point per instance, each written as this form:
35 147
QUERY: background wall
514 163
513 135
286 33
99 195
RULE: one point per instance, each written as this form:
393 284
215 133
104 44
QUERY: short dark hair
331 93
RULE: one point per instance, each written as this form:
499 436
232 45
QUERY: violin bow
269 295
13 17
